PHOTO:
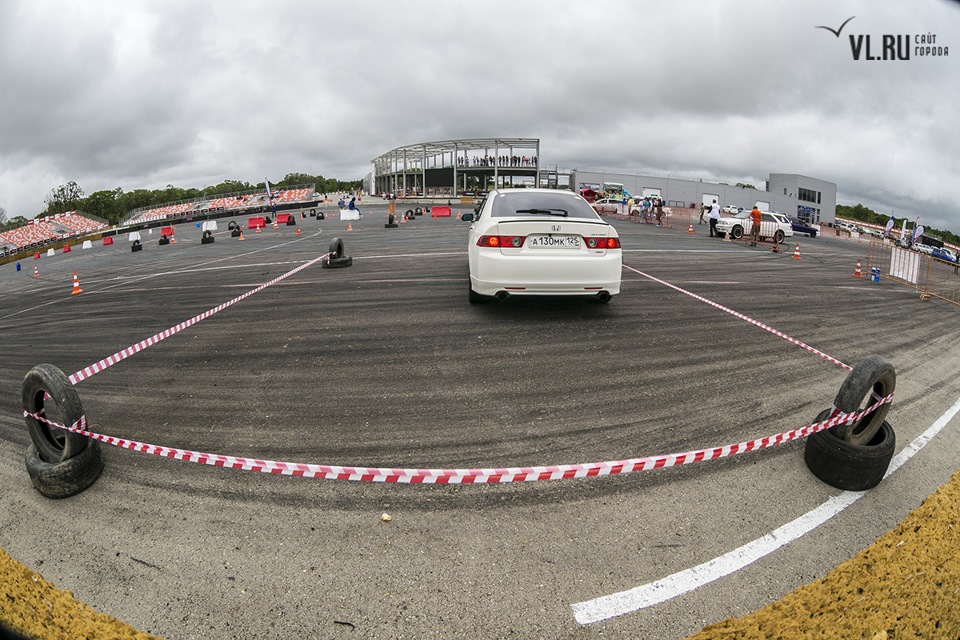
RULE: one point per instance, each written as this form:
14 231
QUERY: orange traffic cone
726 237
349 226
690 229
258 230
298 231
796 253
76 285
856 272
36 274
275 225
241 234
173 240
458 214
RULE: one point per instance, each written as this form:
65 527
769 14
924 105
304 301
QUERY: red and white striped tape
123 354
737 314
468 476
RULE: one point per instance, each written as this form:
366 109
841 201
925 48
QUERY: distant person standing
714 217
755 217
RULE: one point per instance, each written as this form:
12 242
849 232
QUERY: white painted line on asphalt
682 582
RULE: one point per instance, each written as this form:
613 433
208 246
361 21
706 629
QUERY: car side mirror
467 217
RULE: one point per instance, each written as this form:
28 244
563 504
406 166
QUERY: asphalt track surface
386 364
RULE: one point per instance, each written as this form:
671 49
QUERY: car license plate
554 242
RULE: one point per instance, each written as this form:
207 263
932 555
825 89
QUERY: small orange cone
36 274
76 285
690 229
726 237
173 240
458 214
796 253
258 230
298 231
275 225
349 226
241 234
856 272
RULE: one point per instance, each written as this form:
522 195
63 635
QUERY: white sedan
537 242
775 226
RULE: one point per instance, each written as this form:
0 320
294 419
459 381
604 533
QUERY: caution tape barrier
467 476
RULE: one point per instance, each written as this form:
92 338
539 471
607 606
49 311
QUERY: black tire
336 248
391 222
267 220
336 263
813 235
737 232
848 466
291 221
67 478
778 236
164 240
418 211
409 213
235 233
321 215
233 225
207 240
136 247
52 443
872 374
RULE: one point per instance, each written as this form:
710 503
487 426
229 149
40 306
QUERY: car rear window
534 204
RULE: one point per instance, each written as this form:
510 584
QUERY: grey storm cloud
140 95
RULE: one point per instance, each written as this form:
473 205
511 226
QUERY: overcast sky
141 94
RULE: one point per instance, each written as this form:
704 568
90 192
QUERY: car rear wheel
737 232
778 236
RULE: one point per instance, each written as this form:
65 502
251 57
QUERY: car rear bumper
519 275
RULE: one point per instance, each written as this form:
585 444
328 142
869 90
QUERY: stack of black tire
855 457
335 258
391 222
136 246
207 237
60 463
164 240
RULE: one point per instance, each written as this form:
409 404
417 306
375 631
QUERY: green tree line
865 214
113 204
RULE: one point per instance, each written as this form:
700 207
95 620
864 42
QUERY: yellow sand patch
32 606
905 585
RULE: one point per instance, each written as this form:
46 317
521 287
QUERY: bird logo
836 32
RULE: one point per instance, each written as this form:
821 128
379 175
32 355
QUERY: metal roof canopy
450 146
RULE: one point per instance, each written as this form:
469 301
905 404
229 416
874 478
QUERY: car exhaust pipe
502 295
604 296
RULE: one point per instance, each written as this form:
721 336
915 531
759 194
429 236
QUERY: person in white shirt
714 216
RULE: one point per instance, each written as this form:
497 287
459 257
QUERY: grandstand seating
43 230
75 223
226 203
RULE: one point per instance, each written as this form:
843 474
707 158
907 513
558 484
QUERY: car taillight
510 242
603 243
